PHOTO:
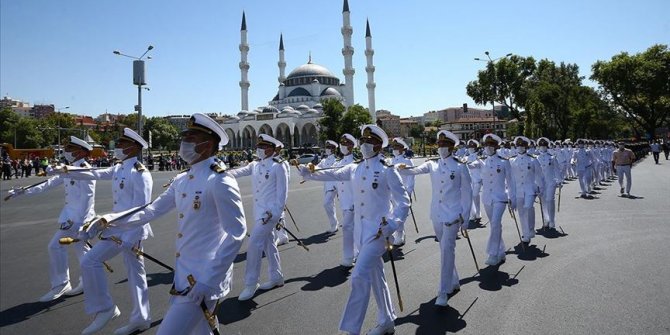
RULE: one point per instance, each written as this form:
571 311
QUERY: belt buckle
66 225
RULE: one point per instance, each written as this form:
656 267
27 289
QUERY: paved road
607 275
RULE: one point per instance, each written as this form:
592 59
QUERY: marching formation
375 196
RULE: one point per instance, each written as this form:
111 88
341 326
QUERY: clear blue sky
60 52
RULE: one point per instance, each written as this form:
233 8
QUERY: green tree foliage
333 111
638 85
550 91
503 82
353 119
164 135
130 121
416 131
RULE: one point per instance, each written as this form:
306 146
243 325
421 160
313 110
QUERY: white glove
389 228
15 192
304 171
58 169
198 292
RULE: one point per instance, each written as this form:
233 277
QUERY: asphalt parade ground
606 270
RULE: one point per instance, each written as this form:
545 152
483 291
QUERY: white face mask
581 146
543 149
472 150
329 152
118 154
187 151
444 152
69 157
368 150
396 152
490 151
521 150
261 153
344 150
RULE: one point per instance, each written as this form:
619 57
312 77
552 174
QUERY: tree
548 94
503 82
416 131
22 132
638 85
163 133
333 111
130 121
353 119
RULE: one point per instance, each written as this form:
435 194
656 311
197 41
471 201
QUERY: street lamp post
491 62
139 80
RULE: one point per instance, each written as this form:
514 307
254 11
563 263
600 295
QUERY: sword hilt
67 240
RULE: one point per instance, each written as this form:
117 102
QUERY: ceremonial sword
541 211
389 249
70 240
139 252
511 213
209 316
27 187
559 198
467 237
279 226
292 219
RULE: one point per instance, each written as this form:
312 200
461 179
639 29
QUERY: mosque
292 115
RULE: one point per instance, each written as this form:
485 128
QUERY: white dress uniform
375 186
528 183
210 230
350 232
497 190
329 193
280 235
408 182
551 171
474 164
79 202
131 187
451 200
270 190
583 161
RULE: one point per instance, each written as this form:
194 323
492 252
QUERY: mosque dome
310 70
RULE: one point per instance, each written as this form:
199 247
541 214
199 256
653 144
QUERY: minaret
281 63
370 69
244 65
347 52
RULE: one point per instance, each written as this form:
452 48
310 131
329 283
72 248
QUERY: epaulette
383 161
434 159
118 162
358 161
84 164
172 179
139 167
462 161
218 168
534 156
501 157
278 159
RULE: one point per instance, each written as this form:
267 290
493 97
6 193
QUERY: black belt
624 165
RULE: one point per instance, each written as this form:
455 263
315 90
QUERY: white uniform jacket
131 187
582 158
210 225
326 163
550 169
497 185
374 186
526 175
475 167
407 180
345 192
79 197
452 189
269 179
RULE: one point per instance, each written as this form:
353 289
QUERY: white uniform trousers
59 271
349 247
446 235
526 215
621 171
185 317
494 211
96 289
368 275
476 211
584 179
329 207
262 240
549 205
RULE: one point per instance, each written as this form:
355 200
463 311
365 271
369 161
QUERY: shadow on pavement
232 310
318 238
433 319
25 311
153 279
530 253
418 240
491 278
550 233
327 278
